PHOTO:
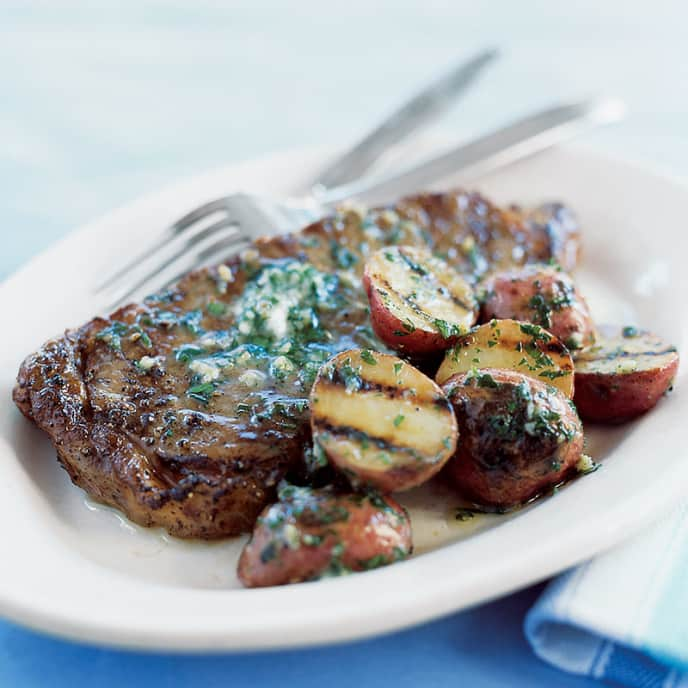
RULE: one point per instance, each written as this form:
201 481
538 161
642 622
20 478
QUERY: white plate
83 571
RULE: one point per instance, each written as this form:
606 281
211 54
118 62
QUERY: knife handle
502 147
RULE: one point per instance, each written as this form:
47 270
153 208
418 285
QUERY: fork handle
502 147
424 107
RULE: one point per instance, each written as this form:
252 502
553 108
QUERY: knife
502 147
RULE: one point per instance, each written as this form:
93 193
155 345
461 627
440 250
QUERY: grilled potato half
542 295
381 421
511 345
311 534
623 375
519 436
418 303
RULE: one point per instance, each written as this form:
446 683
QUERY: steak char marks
187 410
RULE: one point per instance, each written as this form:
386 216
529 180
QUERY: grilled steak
187 410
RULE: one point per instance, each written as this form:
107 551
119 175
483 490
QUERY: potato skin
519 437
544 296
607 395
391 330
311 534
417 312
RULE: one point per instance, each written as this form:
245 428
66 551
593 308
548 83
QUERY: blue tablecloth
482 648
102 102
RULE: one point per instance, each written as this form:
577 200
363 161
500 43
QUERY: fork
218 215
197 239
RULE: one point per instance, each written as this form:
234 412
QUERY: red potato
519 437
311 534
623 375
511 345
544 296
418 303
380 421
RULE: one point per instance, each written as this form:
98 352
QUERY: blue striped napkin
623 617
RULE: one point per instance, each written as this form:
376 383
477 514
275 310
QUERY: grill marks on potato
624 375
625 351
417 300
511 345
429 287
380 420
408 433
437 278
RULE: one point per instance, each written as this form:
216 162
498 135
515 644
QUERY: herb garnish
464 514
201 392
367 357
446 329
217 309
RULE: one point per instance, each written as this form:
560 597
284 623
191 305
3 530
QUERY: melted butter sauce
290 318
151 554
433 508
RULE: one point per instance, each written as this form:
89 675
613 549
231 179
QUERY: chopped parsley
486 380
539 304
217 309
446 329
374 562
542 304
187 352
412 264
138 334
351 376
534 331
202 391
367 357
342 256
464 514
554 374
311 540
113 334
